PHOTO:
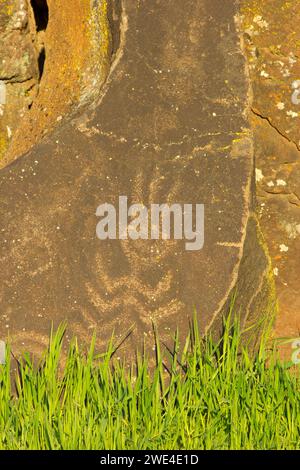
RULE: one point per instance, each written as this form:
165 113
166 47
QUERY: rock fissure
268 120
41 14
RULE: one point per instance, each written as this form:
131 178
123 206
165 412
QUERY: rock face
19 74
169 126
273 51
59 55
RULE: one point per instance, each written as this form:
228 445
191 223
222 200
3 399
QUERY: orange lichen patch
76 45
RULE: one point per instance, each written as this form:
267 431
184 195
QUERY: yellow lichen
3 144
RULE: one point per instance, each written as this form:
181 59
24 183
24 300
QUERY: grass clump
210 396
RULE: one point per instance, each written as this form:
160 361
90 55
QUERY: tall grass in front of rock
210 396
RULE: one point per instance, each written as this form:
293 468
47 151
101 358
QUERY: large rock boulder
272 46
170 125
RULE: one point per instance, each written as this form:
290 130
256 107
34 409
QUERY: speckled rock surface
273 44
170 125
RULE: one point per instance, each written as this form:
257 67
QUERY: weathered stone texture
18 67
273 41
170 125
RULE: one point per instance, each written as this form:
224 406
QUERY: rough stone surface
69 50
273 51
170 125
18 68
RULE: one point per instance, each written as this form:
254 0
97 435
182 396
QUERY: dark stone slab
169 126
